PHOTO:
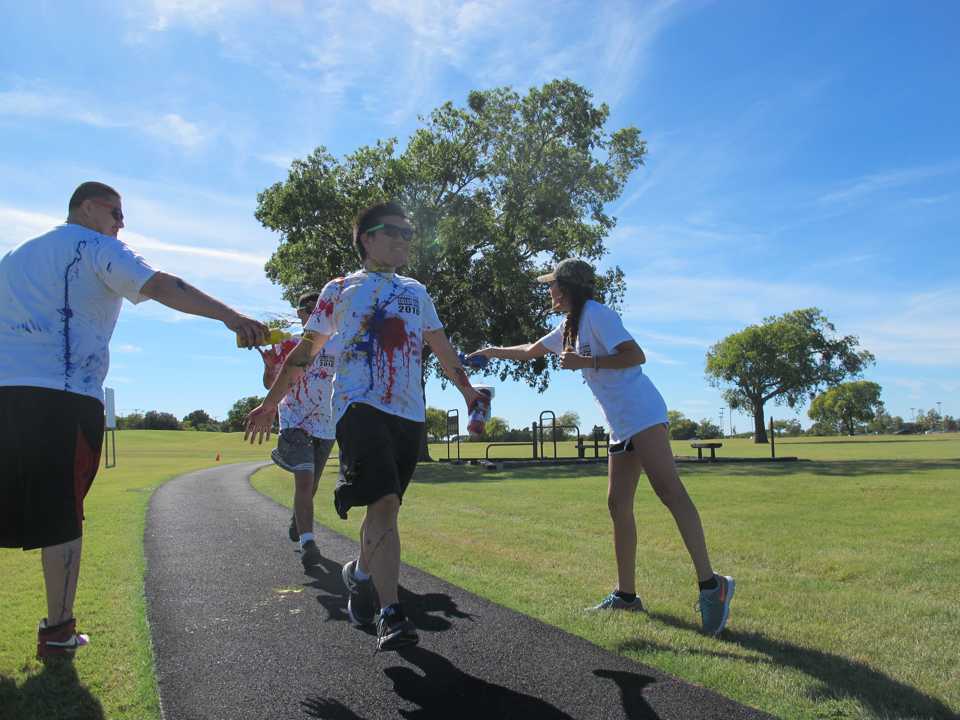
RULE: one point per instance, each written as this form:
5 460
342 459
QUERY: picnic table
712 446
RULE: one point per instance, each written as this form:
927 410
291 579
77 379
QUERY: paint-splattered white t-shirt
60 297
380 318
308 403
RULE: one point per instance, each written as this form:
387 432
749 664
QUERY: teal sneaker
714 605
615 602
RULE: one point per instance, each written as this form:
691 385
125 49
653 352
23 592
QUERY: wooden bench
711 445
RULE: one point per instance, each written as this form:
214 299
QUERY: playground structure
543 435
590 449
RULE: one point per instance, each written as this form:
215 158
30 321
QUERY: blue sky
799 154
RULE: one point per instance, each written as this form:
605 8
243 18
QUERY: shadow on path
430 612
53 693
840 677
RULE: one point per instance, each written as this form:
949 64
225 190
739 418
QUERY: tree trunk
759 431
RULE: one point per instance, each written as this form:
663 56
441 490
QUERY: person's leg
652 447
623 472
61 570
303 489
380 549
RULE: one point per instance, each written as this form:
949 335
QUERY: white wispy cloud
173 129
58 105
336 52
862 187
127 348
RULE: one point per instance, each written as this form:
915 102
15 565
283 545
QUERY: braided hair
577 295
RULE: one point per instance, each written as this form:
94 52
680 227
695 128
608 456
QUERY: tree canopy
498 191
847 405
785 359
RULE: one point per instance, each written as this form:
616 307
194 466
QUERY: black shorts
50 444
378 454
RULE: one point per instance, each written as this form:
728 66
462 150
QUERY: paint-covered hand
472 396
570 360
260 423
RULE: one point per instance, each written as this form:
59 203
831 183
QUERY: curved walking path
240 631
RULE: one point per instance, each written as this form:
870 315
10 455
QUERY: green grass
847 567
115 677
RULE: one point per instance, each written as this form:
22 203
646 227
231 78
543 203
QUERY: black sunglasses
115 212
393 231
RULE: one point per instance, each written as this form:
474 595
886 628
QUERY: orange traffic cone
218 456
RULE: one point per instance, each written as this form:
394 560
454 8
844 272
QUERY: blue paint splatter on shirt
70 273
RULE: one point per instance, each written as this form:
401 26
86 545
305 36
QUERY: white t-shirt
60 297
308 403
381 318
628 400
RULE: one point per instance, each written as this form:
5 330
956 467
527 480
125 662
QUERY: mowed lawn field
847 565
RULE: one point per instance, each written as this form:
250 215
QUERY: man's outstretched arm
175 293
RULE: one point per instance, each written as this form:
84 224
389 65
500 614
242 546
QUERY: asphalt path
240 631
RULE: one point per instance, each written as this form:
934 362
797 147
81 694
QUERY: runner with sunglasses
383 320
306 428
60 297
592 339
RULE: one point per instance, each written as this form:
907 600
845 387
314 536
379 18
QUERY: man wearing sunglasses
306 428
60 296
383 319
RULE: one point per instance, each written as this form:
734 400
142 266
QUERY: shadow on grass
442 690
840 677
443 473
439 473
824 468
53 693
431 612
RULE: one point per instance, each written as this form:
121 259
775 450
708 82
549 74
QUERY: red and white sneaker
59 640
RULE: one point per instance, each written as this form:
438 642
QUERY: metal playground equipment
544 444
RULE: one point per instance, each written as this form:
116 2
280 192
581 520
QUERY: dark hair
371 216
308 295
577 296
88 191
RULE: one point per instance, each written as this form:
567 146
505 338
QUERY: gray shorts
298 452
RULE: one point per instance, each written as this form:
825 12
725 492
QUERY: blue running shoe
714 605
615 602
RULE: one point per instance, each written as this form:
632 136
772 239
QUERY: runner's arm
450 364
260 419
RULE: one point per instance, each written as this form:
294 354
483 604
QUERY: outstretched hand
485 352
251 332
260 423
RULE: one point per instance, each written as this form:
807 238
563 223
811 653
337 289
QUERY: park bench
711 445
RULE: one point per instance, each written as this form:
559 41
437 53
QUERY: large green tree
785 359
847 405
498 191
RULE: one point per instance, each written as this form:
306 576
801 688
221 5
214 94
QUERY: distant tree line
198 420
